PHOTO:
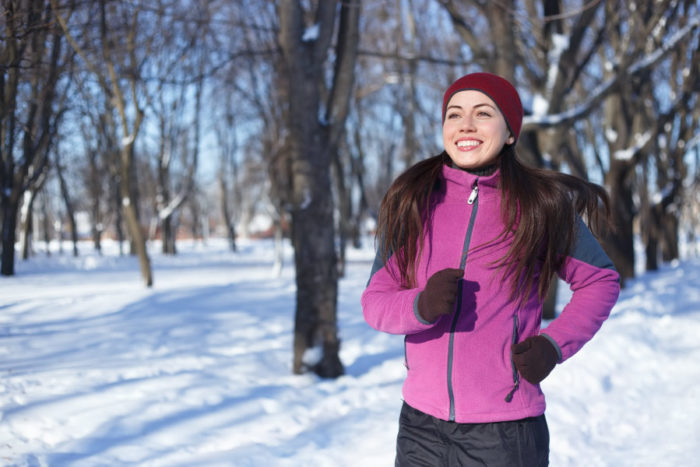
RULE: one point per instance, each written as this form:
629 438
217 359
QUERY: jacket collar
458 183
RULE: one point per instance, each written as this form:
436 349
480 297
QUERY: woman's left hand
534 358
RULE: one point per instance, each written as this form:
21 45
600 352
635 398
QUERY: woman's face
474 131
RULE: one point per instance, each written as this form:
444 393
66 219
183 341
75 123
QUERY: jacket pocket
516 377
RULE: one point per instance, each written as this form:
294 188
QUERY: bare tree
116 64
177 104
32 61
305 38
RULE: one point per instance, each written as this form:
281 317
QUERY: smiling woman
453 230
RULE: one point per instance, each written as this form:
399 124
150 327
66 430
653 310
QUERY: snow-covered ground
97 370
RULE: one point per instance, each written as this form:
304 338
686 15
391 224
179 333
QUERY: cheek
445 133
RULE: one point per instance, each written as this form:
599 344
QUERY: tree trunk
68 204
619 243
279 247
138 242
119 214
313 232
358 170
138 239
163 199
549 307
345 211
197 220
167 235
651 250
46 224
10 207
225 209
26 223
316 278
95 190
669 225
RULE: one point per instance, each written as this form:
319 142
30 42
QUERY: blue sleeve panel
587 249
376 266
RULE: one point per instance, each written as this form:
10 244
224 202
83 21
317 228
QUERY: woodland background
138 120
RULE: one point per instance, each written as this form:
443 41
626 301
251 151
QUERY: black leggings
424 440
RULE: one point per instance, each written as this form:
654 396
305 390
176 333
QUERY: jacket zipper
473 200
516 378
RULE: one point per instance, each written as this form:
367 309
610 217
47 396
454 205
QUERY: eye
452 115
483 113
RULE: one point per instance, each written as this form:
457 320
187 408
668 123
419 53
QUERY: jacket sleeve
595 285
389 307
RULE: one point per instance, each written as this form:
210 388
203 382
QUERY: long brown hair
539 208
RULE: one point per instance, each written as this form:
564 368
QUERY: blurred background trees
164 119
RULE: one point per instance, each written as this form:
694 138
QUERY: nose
467 123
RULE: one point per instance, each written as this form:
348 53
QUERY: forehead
470 98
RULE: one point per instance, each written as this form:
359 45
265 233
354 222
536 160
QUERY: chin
466 165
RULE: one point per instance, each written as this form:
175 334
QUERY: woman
469 243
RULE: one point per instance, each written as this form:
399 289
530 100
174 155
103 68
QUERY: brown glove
534 358
438 297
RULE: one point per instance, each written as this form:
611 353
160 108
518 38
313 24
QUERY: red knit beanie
498 89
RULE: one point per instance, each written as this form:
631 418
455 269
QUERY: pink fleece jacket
460 368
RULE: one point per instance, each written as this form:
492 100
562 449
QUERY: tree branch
532 122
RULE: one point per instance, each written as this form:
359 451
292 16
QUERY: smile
467 143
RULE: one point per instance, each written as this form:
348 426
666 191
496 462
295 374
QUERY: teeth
466 144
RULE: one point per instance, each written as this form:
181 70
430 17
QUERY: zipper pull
475 192
509 396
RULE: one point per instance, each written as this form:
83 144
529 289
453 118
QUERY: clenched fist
438 297
534 358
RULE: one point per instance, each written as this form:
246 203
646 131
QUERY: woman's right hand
438 297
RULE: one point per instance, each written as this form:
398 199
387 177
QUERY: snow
640 140
665 193
611 135
311 33
128 140
540 105
560 42
98 370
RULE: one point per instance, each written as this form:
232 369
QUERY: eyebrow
485 104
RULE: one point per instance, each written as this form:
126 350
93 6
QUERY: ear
510 140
